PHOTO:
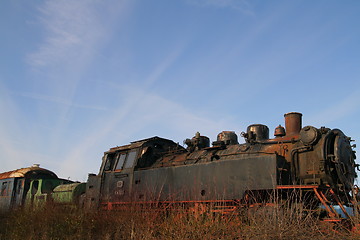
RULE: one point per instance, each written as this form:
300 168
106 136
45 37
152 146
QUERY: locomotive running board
228 206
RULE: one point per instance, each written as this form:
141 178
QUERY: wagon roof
23 171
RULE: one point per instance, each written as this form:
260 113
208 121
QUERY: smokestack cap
291 113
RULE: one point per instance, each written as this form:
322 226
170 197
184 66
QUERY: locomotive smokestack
292 123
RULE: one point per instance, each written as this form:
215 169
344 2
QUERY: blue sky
79 77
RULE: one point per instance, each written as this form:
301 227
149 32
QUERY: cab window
130 159
120 162
110 159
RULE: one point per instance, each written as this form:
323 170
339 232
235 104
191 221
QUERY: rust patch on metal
18 173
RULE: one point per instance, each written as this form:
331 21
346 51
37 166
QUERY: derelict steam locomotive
321 161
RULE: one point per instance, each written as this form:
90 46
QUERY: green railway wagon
69 193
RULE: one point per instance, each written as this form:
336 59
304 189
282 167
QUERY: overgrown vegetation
271 222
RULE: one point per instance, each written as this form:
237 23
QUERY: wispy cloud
14 152
7 125
70 28
164 65
241 5
341 110
72 34
58 100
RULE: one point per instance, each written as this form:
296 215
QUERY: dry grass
290 222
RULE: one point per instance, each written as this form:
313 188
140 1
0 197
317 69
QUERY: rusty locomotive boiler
310 159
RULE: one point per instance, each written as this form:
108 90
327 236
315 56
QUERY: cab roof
139 143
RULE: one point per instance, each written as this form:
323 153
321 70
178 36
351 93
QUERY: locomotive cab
115 181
